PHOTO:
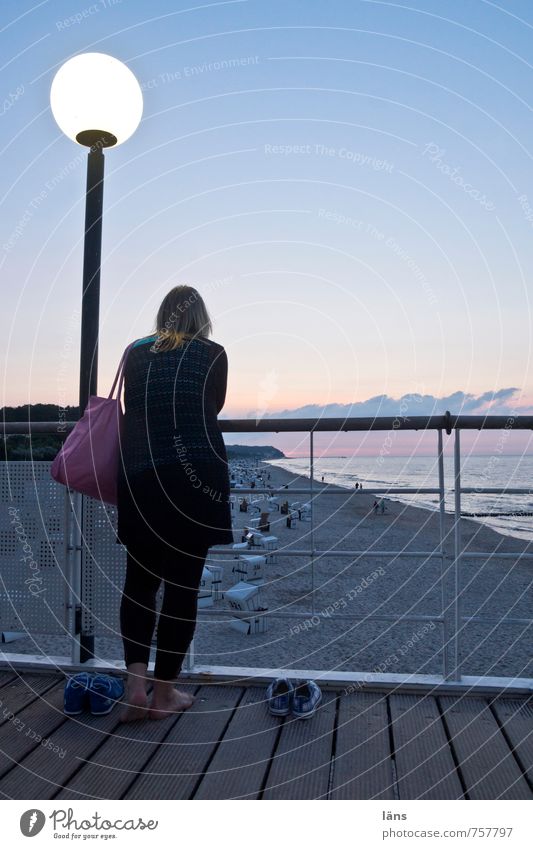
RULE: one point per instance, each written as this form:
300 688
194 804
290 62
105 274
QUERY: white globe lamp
95 98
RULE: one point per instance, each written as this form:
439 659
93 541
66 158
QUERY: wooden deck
363 745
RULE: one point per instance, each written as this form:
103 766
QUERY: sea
511 515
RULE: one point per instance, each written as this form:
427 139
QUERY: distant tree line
46 446
37 446
255 452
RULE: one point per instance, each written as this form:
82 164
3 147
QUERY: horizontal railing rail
446 422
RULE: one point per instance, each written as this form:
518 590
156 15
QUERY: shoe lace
101 683
80 681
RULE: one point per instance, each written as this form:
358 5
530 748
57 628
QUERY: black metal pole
90 302
90 312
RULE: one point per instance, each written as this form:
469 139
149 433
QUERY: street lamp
98 103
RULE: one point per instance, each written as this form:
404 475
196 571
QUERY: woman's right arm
221 378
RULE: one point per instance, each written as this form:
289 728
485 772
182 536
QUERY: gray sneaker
307 697
279 697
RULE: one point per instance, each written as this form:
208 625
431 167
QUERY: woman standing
173 492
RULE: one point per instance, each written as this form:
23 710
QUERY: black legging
181 572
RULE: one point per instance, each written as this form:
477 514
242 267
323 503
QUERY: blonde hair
182 315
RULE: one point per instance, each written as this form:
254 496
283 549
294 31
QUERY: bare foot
171 702
135 706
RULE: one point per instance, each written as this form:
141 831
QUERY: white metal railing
451 618
80 578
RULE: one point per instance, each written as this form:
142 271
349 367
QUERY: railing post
457 605
87 579
76 543
71 574
445 609
442 505
188 660
312 529
67 563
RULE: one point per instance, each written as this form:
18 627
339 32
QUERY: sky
348 184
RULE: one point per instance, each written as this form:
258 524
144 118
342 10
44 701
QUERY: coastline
499 534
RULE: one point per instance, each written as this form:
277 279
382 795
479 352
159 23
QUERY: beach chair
268 543
205 592
305 513
217 571
250 568
245 601
292 516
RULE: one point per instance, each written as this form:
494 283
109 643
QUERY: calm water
477 471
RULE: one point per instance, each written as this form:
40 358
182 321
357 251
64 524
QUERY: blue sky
348 184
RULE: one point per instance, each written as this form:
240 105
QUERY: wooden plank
486 762
108 772
15 695
241 760
6 676
301 764
516 716
43 716
424 763
363 765
182 759
42 774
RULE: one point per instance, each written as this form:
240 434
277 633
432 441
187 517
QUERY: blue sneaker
306 699
279 696
76 697
104 693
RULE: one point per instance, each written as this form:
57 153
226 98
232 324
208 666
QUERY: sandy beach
389 585
382 585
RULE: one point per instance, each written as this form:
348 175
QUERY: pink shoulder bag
88 461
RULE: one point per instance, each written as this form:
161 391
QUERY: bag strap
120 371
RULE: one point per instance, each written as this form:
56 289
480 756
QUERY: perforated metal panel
32 549
34 572
103 570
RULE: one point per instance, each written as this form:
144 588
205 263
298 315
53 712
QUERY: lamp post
97 102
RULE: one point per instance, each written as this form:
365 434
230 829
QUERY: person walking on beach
173 493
